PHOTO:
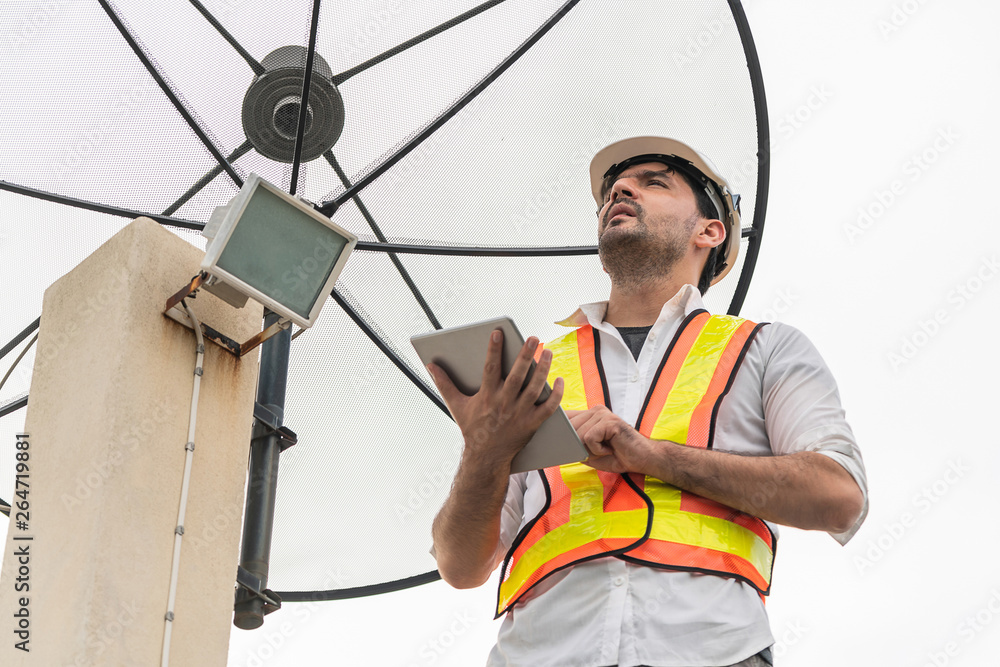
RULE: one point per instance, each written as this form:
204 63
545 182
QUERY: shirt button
619 581
651 337
634 377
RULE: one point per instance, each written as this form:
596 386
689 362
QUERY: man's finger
578 418
514 381
595 446
600 462
548 407
538 377
494 355
449 392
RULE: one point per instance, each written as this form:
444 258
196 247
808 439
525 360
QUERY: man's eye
660 183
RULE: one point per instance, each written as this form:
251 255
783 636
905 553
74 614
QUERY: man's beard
634 256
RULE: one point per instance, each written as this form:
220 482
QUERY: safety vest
592 514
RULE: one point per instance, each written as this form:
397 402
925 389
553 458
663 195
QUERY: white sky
881 106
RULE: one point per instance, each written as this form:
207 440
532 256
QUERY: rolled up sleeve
802 408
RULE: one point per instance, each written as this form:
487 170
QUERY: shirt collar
686 301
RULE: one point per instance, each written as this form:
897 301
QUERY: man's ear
712 234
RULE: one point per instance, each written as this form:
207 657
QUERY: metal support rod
329 207
265 450
300 131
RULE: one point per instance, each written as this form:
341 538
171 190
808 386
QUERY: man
703 432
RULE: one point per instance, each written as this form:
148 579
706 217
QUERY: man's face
646 194
646 222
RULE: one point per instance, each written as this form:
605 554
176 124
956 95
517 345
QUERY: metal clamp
269 421
250 587
173 311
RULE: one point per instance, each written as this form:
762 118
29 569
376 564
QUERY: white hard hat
618 156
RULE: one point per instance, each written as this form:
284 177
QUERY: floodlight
276 249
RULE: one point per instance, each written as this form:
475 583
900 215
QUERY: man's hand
499 420
613 444
496 422
806 490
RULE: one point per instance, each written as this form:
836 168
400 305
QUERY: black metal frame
756 230
387 350
13 405
347 74
328 208
16 340
361 591
168 91
300 128
257 68
87 205
266 445
263 476
366 214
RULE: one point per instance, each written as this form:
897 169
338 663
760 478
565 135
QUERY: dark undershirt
634 337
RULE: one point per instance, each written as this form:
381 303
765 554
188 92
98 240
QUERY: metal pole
265 450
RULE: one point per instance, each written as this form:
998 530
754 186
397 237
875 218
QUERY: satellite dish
453 139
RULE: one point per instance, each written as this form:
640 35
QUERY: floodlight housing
276 249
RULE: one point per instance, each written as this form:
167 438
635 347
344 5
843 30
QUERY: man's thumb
449 392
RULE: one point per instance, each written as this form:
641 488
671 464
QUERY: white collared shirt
609 612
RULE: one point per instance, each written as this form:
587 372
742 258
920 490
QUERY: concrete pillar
107 422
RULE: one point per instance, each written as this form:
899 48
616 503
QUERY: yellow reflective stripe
566 364
588 522
671 524
694 378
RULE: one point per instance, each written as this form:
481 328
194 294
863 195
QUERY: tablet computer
461 352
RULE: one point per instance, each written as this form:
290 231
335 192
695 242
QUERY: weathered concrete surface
108 421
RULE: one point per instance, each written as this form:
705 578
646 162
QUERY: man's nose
623 187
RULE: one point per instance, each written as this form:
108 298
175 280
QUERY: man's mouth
618 214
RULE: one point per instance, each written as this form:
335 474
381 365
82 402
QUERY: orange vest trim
620 512
591 514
